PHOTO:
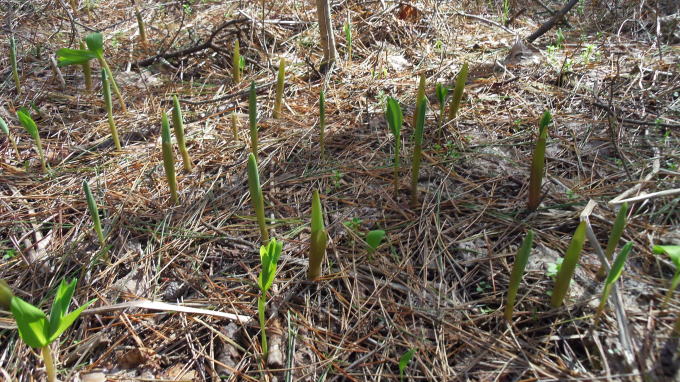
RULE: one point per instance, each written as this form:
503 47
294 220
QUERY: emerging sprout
404 360
168 159
13 63
109 110
280 80
614 237
5 129
32 129
94 214
517 271
373 239
458 91
234 125
568 266
395 119
269 257
347 28
614 273
319 239
417 151
236 63
256 195
442 94
419 96
538 163
178 125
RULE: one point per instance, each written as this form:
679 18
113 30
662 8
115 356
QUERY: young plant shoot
256 196
269 257
395 119
252 118
517 271
106 90
322 123
5 129
319 239
417 151
178 125
568 266
38 331
458 91
374 239
280 81
95 50
32 129
347 28
140 25
236 63
404 360
234 125
442 94
614 273
168 159
87 72
614 237
538 163
94 214
673 251
419 96
13 63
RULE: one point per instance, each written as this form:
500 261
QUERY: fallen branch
551 23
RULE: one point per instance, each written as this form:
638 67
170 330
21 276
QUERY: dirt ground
178 299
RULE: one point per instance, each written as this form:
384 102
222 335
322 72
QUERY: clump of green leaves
395 119
673 251
106 90
614 237
13 63
614 273
5 129
38 331
168 158
442 92
373 239
236 62
417 150
458 91
322 123
517 271
568 266
178 125
280 81
269 257
538 163
252 117
404 360
256 195
319 239
95 50
32 129
94 214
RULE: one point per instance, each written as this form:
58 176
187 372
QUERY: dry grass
439 283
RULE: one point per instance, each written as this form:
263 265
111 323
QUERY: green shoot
140 25
32 129
39 331
109 110
234 126
319 239
538 163
178 125
322 123
5 129
673 251
256 195
458 91
404 360
373 239
568 266
13 63
347 28
236 63
442 94
95 50
94 214
280 79
420 95
395 119
614 237
168 159
269 257
87 71
521 260
614 273
417 151
252 117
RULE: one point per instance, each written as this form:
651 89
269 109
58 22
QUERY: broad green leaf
269 256
31 321
394 116
27 122
66 56
617 267
673 251
3 126
95 43
66 321
60 303
374 238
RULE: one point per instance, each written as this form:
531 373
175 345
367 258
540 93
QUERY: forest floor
436 285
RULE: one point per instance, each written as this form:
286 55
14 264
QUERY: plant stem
178 125
87 71
458 91
236 63
234 126
109 110
280 79
105 65
13 61
322 124
140 25
256 196
261 301
417 150
168 160
49 363
94 214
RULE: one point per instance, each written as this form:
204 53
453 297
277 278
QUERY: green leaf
546 119
517 271
60 304
66 56
405 360
317 213
31 321
617 267
568 266
4 127
442 93
95 43
66 321
394 116
374 238
269 256
27 122
671 250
